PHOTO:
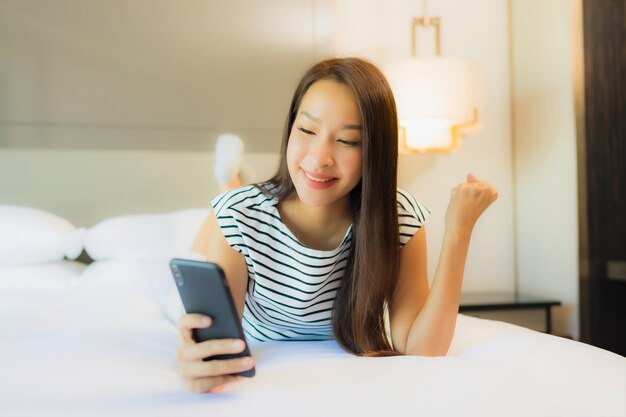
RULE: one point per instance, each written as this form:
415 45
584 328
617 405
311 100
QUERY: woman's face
324 149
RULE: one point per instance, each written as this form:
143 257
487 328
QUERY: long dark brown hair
372 269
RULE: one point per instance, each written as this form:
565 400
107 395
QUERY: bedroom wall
373 29
477 31
87 185
527 241
171 75
545 166
96 122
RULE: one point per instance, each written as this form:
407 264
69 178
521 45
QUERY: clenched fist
467 202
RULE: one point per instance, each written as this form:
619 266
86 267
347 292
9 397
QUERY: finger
211 384
471 177
188 322
216 367
197 351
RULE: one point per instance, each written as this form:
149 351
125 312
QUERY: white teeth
316 179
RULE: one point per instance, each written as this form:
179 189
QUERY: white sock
228 154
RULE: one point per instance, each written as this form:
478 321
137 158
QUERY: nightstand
487 301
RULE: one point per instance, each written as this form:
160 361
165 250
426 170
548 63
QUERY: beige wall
526 240
546 201
374 29
477 31
142 74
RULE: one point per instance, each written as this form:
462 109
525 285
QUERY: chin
315 198
315 201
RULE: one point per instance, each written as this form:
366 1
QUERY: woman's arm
423 322
201 376
201 241
210 242
232 262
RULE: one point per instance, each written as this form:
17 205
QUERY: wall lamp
436 97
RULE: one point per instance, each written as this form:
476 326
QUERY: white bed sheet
45 276
92 351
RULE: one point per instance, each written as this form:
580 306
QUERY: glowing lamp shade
435 97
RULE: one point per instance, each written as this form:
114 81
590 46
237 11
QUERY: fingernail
217 389
238 344
205 321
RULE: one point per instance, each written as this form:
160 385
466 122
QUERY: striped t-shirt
291 288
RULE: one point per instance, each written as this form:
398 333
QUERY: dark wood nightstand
486 301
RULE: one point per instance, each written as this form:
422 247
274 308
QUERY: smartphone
204 290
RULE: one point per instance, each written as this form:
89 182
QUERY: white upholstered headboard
86 186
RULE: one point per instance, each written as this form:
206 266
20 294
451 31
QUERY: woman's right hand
210 376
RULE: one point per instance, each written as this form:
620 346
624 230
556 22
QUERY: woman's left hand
468 201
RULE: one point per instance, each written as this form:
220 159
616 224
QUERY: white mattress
45 276
96 351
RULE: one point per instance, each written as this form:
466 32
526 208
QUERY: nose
321 153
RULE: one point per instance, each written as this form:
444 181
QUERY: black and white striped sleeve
411 216
224 207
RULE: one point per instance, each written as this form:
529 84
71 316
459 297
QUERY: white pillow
152 279
147 277
30 236
144 237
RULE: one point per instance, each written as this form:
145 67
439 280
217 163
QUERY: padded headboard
87 186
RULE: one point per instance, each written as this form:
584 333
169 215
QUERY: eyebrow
315 119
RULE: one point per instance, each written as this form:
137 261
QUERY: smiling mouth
320 180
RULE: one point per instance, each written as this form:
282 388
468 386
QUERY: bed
99 340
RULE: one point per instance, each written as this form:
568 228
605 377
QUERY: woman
329 247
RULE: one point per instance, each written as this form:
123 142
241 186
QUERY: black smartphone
203 289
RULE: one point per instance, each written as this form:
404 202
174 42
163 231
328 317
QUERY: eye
349 142
305 131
